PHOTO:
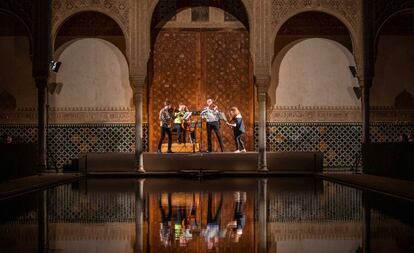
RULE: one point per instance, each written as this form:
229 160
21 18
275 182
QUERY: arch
105 84
337 52
386 20
393 54
245 3
349 27
67 16
24 24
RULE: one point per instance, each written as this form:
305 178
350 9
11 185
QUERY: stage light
55 66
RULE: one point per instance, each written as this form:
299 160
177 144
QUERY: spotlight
353 71
55 66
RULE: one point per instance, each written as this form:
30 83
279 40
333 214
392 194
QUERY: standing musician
212 116
237 124
166 118
180 122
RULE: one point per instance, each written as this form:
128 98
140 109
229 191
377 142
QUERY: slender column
365 102
366 236
367 73
42 10
138 84
262 214
139 218
43 233
262 83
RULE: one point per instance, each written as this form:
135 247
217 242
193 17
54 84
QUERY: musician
166 118
237 124
180 123
212 116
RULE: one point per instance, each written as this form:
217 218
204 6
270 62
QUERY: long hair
234 111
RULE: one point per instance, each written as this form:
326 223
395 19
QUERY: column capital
365 82
137 81
262 81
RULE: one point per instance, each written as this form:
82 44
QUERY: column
367 73
366 226
262 215
138 83
43 222
262 83
42 42
139 218
365 86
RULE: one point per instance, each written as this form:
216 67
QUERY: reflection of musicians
212 116
179 123
165 118
238 129
165 228
239 220
212 231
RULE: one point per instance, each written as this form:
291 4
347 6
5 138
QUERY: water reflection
229 215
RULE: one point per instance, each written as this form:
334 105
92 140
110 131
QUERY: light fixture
55 66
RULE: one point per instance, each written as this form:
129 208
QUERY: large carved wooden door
191 66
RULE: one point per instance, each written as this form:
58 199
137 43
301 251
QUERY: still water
221 215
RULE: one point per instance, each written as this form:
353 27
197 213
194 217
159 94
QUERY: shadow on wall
313 72
94 74
404 100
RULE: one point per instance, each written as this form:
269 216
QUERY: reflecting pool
284 214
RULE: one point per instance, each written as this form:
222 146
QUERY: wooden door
190 66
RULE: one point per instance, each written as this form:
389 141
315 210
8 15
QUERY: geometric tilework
68 205
334 203
68 141
339 142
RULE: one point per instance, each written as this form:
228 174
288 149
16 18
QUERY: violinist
179 122
165 117
212 116
237 124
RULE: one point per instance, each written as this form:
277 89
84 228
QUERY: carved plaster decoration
337 114
295 114
116 9
347 11
71 115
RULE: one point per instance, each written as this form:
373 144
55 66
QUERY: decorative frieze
118 9
70 115
336 114
345 9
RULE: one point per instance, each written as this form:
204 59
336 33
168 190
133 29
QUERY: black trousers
180 133
165 130
213 218
238 138
216 127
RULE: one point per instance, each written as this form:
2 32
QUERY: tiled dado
68 141
340 142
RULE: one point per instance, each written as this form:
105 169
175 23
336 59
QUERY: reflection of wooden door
191 66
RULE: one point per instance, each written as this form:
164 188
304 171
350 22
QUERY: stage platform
213 163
